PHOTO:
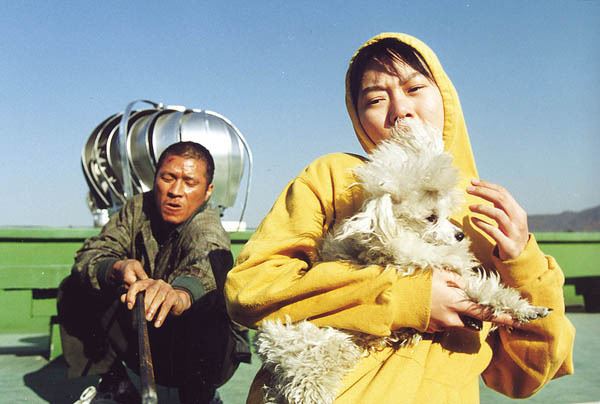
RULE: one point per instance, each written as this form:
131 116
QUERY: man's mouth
172 206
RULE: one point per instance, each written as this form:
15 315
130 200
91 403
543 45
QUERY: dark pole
146 367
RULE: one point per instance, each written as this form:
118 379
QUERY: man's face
180 188
404 94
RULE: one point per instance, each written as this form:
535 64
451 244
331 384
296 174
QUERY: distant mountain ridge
585 220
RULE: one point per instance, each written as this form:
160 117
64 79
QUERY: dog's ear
363 222
384 214
441 176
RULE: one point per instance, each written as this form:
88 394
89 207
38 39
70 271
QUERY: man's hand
511 233
127 272
160 300
449 303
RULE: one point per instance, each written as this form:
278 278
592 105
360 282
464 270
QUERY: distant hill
586 220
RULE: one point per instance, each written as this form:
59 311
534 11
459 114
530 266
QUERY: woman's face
386 95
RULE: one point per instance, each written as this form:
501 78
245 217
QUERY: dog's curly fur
307 363
410 187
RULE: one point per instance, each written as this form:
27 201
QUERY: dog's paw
533 313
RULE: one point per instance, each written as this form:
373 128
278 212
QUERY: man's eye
374 101
432 218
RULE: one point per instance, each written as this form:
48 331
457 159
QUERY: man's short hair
190 150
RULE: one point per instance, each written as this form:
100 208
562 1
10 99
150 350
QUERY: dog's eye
432 218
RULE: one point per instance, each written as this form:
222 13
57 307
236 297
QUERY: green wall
33 261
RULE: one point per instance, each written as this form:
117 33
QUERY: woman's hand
511 232
450 307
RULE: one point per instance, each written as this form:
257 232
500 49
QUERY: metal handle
146 366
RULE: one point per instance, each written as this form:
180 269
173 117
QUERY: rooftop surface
26 376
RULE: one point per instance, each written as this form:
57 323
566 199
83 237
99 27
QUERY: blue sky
527 72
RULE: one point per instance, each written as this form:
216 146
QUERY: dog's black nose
459 236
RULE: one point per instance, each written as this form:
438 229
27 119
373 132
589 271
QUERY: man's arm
160 300
192 281
206 257
202 261
98 256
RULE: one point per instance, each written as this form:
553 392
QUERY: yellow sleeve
279 273
527 358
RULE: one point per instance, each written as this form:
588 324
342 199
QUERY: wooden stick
146 366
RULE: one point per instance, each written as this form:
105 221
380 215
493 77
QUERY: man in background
168 243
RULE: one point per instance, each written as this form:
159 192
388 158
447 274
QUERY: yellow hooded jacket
279 274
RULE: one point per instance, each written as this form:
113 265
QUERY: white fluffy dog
410 188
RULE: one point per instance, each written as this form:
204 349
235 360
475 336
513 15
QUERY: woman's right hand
449 303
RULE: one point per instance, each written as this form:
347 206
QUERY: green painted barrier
578 254
33 261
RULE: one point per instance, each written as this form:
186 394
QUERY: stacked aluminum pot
117 167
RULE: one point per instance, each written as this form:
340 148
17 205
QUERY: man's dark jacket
181 257
193 256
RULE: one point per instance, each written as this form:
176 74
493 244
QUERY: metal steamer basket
148 132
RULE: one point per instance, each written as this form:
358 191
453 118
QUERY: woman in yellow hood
279 275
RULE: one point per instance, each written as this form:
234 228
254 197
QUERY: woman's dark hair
190 150
385 53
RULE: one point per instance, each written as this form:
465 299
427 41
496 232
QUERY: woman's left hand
511 233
